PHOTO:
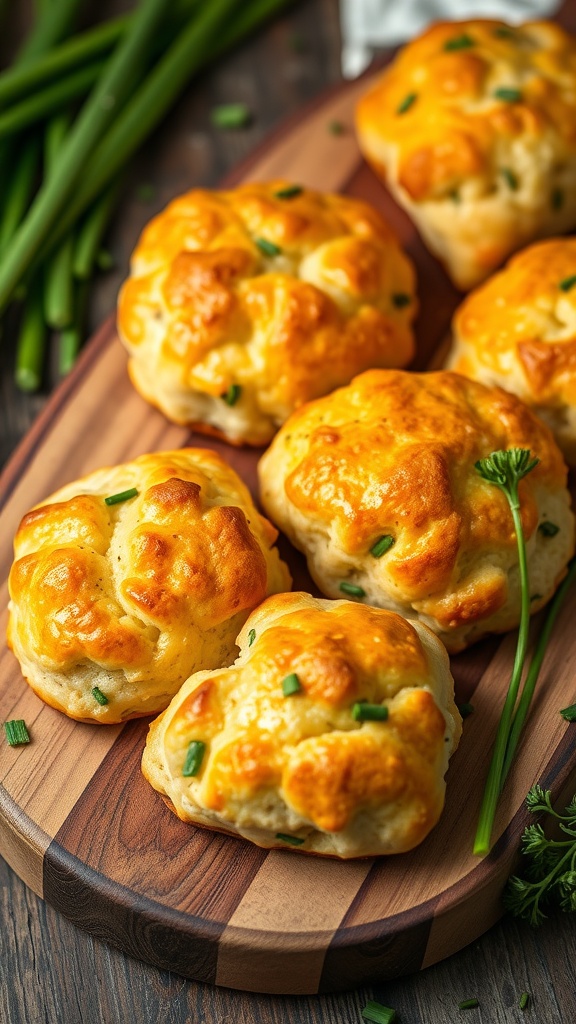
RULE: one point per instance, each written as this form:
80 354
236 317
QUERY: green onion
40 105
91 233
194 758
463 42
524 1000
364 712
378 1014
548 529
291 840
72 336
232 395
115 499
508 95
336 128
99 697
510 178
31 341
231 115
468 1004
290 192
567 283
19 190
58 285
291 685
55 22
400 299
407 103
569 713
251 637
352 589
465 710
16 732
267 247
382 545
557 199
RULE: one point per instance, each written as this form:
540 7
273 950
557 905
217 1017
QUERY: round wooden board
83 829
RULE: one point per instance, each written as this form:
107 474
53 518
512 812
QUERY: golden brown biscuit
242 305
299 764
376 483
519 331
473 127
112 606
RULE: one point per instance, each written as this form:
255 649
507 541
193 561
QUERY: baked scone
518 330
242 305
113 605
377 485
473 128
330 734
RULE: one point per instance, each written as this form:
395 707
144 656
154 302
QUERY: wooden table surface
51 973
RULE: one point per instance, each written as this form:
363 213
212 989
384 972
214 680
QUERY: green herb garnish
524 1000
194 758
463 42
290 192
407 103
382 545
378 1014
364 712
251 637
548 529
99 697
231 115
508 95
510 178
567 283
268 248
291 840
16 732
505 469
232 395
569 713
352 590
115 499
465 710
400 299
291 685
557 199
468 1004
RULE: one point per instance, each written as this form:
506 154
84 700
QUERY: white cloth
367 24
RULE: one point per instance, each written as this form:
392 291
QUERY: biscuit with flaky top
299 770
518 330
242 305
377 484
473 128
113 606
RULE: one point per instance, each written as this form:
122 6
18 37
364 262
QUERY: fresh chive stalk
291 685
99 697
364 712
20 188
91 233
569 713
194 758
54 24
115 499
16 732
71 337
58 284
52 99
31 343
376 1013
290 840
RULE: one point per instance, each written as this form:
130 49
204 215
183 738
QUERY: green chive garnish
510 178
508 95
569 713
232 395
251 637
468 1004
231 115
548 529
99 697
407 103
524 1000
352 590
465 710
567 283
290 192
378 1014
268 248
16 732
336 128
382 545
291 685
291 840
115 499
459 43
400 299
557 199
364 712
194 757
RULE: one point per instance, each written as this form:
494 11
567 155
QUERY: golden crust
301 765
482 172
205 309
132 597
519 331
393 455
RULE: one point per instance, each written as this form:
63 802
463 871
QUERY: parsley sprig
550 864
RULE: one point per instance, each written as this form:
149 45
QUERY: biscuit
283 755
113 606
377 485
242 305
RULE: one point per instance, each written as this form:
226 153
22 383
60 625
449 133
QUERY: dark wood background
51 973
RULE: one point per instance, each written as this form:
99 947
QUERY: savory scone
473 128
242 305
330 734
130 579
518 330
377 485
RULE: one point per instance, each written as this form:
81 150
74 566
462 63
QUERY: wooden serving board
84 830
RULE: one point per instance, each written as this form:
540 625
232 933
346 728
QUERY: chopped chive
291 685
378 1014
364 712
115 499
557 199
382 545
290 840
268 248
502 32
352 590
524 1000
251 637
290 192
465 709
99 697
336 128
400 299
567 283
232 395
548 529
508 95
569 713
194 758
510 178
463 42
407 103
468 1004
16 732
145 192
231 115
